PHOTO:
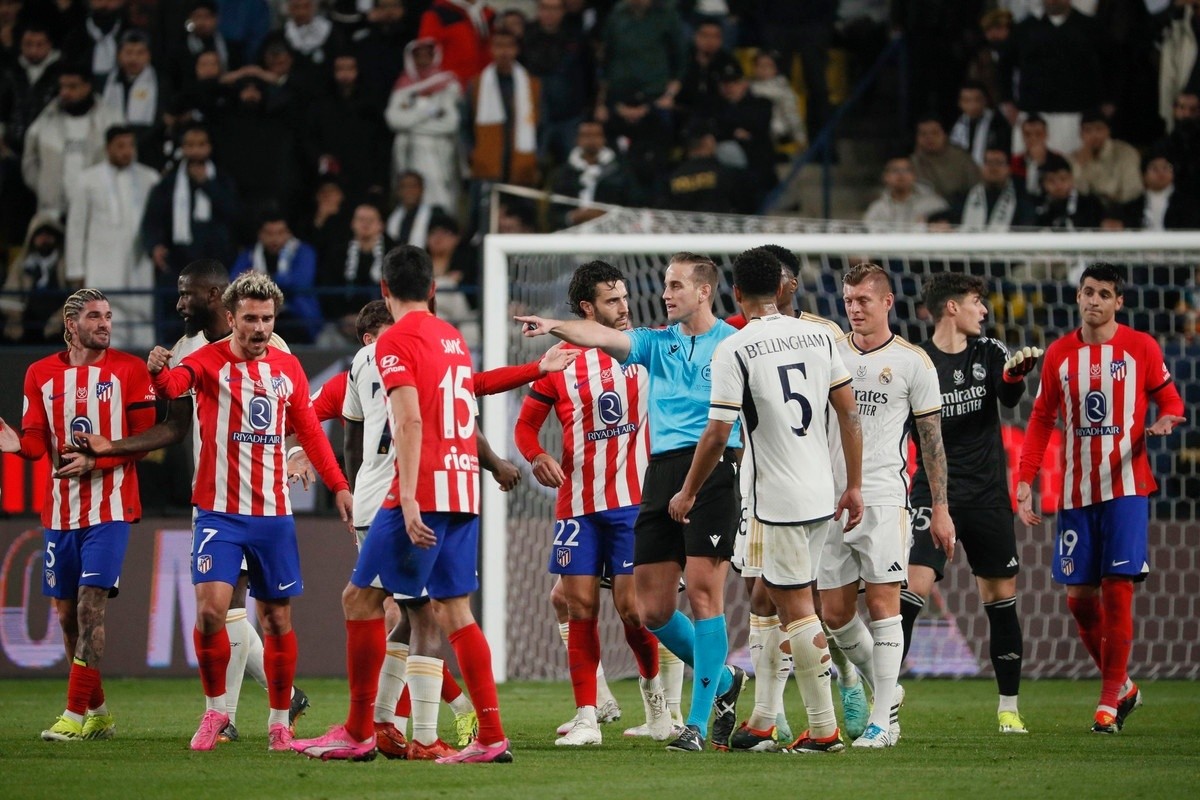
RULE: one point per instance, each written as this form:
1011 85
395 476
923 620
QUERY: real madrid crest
885 377
978 371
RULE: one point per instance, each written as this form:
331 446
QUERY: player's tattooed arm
930 430
933 453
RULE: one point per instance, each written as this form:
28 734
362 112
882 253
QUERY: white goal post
499 331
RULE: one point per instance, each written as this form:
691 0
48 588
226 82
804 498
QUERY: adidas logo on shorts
1012 562
895 567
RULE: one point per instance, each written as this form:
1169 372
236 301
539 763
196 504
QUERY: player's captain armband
1021 363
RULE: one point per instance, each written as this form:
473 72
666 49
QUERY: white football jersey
777 372
890 382
366 402
184 348
747 473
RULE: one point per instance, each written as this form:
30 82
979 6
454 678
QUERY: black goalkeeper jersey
971 382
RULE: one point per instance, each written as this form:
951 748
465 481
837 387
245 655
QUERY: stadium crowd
303 138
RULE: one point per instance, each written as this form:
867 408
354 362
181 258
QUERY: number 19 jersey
429 354
777 372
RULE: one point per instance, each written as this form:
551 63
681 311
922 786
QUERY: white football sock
847 673
254 657
391 681
603 693
425 690
670 669
855 642
763 715
783 671
564 630
888 635
812 675
461 704
239 630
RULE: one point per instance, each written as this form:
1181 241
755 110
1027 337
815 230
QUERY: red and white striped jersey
603 409
184 348
113 398
244 410
429 354
1102 392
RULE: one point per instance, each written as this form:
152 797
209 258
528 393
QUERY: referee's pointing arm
582 332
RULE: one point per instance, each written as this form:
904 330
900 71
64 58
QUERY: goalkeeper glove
1021 363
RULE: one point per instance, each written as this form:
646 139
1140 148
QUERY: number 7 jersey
429 355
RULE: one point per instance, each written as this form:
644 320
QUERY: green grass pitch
950 749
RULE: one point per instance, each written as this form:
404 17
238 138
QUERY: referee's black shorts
986 535
714 517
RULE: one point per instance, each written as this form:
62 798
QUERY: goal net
1032 279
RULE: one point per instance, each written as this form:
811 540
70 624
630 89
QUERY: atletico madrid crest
104 391
1117 370
203 564
1066 566
563 556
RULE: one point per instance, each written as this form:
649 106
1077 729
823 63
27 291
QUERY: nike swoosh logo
56 396
285 586
94 574
626 563
1120 563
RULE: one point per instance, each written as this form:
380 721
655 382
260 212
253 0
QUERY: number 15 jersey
778 372
429 354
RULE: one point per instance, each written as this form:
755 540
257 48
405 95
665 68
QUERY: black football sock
1006 645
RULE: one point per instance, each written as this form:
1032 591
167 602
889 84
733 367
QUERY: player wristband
292 451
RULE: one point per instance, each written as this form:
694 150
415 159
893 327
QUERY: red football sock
366 647
97 694
404 704
1089 620
81 685
583 657
279 663
1116 595
212 653
475 661
644 645
451 691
